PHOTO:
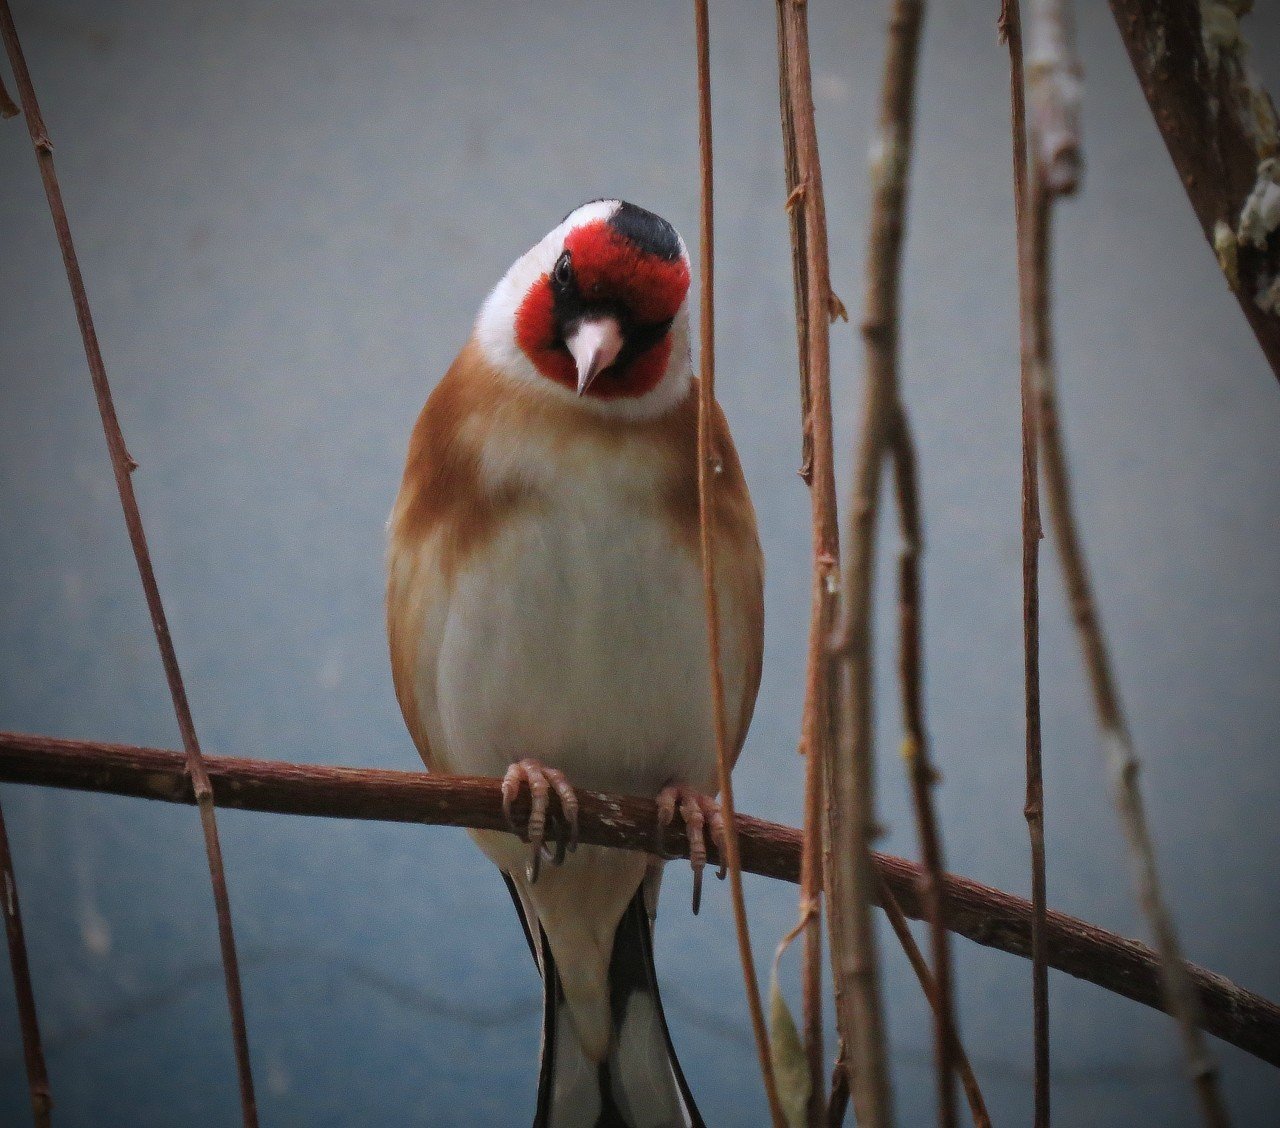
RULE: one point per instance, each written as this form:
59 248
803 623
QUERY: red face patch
609 266
612 271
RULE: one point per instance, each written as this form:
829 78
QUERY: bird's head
597 311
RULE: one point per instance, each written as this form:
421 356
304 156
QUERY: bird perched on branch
546 624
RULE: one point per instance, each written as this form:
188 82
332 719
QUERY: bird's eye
563 272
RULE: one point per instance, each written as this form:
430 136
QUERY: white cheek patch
495 328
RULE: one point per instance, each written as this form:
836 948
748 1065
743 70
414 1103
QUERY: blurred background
287 215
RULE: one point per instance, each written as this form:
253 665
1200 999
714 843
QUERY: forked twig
1054 93
32 1049
706 537
1029 214
123 465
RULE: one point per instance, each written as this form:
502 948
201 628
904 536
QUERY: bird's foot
698 812
542 780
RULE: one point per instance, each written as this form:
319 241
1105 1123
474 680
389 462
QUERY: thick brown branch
32 1050
984 915
123 465
1219 125
706 537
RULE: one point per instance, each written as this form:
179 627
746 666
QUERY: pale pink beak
594 345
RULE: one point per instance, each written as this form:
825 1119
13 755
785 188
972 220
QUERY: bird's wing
739 560
441 515
739 568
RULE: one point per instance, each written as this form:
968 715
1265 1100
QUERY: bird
546 624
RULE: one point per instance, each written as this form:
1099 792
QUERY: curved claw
694 821
698 811
541 781
717 836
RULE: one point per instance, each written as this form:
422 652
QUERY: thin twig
706 526
984 915
1219 125
799 260
891 164
929 985
1180 996
32 1051
845 863
921 773
123 465
839 1103
1055 130
1118 747
812 287
1029 215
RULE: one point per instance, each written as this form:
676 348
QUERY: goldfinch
546 625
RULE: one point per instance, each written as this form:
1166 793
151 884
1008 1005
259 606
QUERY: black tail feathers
640 1084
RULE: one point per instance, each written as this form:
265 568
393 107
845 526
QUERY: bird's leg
698 811
542 780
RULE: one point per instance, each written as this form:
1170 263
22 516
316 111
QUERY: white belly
577 637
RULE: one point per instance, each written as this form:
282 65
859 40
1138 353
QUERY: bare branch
1030 210
1117 745
1050 28
886 420
806 212
32 1050
1219 125
929 985
123 465
706 537
848 874
984 915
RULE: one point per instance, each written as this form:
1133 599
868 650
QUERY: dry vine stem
978 912
1053 89
32 1050
887 430
929 985
1026 214
845 861
706 523
122 464
806 216
1116 741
